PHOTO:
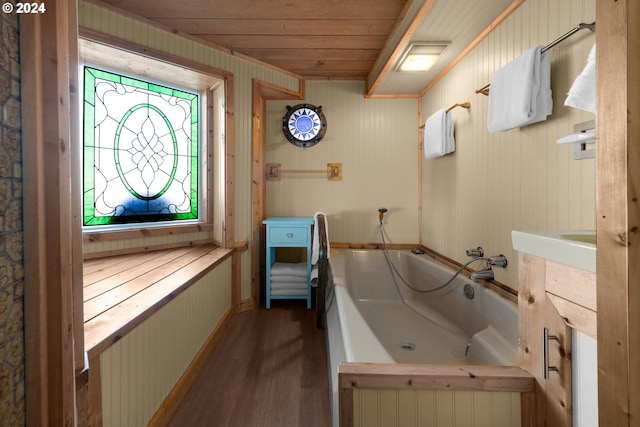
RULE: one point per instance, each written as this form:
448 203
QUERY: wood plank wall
516 180
139 371
244 72
375 140
409 408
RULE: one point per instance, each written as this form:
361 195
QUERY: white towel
297 269
521 92
277 285
289 279
438 135
582 94
288 292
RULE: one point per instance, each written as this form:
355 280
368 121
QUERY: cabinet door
553 405
558 389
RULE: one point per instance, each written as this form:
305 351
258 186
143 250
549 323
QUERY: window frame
123 57
197 211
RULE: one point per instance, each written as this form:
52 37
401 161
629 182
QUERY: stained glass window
140 151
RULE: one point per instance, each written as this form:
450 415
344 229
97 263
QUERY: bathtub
371 318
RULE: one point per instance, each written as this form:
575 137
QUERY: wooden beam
618 214
239 42
46 76
230 165
435 377
246 9
290 27
399 48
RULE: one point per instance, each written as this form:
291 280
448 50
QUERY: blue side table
291 233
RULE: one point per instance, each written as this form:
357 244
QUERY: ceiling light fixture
420 56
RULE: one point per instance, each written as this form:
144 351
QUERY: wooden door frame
53 281
262 92
617 217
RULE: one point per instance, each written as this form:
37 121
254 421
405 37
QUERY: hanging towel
438 135
315 246
582 94
521 92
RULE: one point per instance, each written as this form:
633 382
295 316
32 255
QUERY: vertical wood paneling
375 140
141 368
521 179
93 17
435 408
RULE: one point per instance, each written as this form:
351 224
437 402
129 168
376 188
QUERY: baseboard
168 408
246 305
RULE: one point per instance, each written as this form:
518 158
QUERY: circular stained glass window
304 125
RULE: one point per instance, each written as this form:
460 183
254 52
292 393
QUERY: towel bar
466 104
485 89
463 105
333 171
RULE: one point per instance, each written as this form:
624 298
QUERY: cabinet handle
289 235
545 344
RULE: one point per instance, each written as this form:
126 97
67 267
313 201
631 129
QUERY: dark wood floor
269 369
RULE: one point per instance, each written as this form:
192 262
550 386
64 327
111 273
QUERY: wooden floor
269 369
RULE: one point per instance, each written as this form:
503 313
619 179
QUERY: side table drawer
288 235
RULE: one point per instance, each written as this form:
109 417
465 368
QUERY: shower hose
393 268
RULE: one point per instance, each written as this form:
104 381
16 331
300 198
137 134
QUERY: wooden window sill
120 292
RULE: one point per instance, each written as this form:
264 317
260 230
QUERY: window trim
195 99
126 57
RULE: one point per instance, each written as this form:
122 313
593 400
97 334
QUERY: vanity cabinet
555 298
544 348
288 233
556 303
573 293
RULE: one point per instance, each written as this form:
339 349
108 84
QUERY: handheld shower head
381 213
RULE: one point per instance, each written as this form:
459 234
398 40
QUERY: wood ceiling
328 39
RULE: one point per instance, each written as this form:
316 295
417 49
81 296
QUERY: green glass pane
141 155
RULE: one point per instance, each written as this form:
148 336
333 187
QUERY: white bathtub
371 319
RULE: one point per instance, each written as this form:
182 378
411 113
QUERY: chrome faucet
485 274
499 261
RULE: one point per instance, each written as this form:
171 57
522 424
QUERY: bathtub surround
375 322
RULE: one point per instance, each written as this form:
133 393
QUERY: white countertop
573 248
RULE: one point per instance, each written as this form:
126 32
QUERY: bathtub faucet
475 253
499 261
